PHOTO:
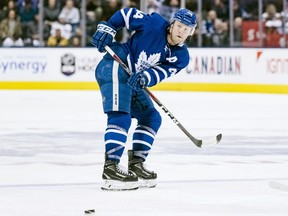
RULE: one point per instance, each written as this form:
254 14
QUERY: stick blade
209 141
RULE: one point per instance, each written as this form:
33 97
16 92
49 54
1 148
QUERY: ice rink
52 153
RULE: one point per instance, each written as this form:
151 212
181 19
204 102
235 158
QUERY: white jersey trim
115 90
163 71
148 76
126 17
157 76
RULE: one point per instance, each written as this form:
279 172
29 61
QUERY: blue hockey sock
116 134
145 133
143 139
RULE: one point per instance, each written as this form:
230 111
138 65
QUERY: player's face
178 33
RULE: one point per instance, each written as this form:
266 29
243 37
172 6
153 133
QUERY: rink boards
209 69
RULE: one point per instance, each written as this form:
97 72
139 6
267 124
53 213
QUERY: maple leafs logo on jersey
144 62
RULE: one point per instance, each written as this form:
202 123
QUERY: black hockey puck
90 211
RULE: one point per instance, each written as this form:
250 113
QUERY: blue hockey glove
103 36
138 81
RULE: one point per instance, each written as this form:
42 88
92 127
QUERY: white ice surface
52 153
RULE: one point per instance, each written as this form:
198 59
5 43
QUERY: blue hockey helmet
186 17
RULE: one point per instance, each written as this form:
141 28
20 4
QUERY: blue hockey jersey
148 49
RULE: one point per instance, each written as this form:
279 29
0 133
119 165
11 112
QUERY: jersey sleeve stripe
148 76
126 17
163 71
156 75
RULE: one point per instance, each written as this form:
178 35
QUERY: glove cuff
104 27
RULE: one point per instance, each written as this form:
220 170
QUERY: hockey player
154 52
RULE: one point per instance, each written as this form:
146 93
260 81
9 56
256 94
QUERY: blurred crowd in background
59 23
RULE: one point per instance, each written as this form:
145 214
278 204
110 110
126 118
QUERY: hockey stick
197 142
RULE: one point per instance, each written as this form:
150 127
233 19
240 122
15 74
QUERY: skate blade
114 185
147 183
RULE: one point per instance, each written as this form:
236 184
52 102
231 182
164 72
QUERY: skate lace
122 170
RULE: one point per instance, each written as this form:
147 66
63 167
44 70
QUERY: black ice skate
117 179
146 177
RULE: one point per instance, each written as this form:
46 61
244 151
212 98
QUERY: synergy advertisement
73 68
